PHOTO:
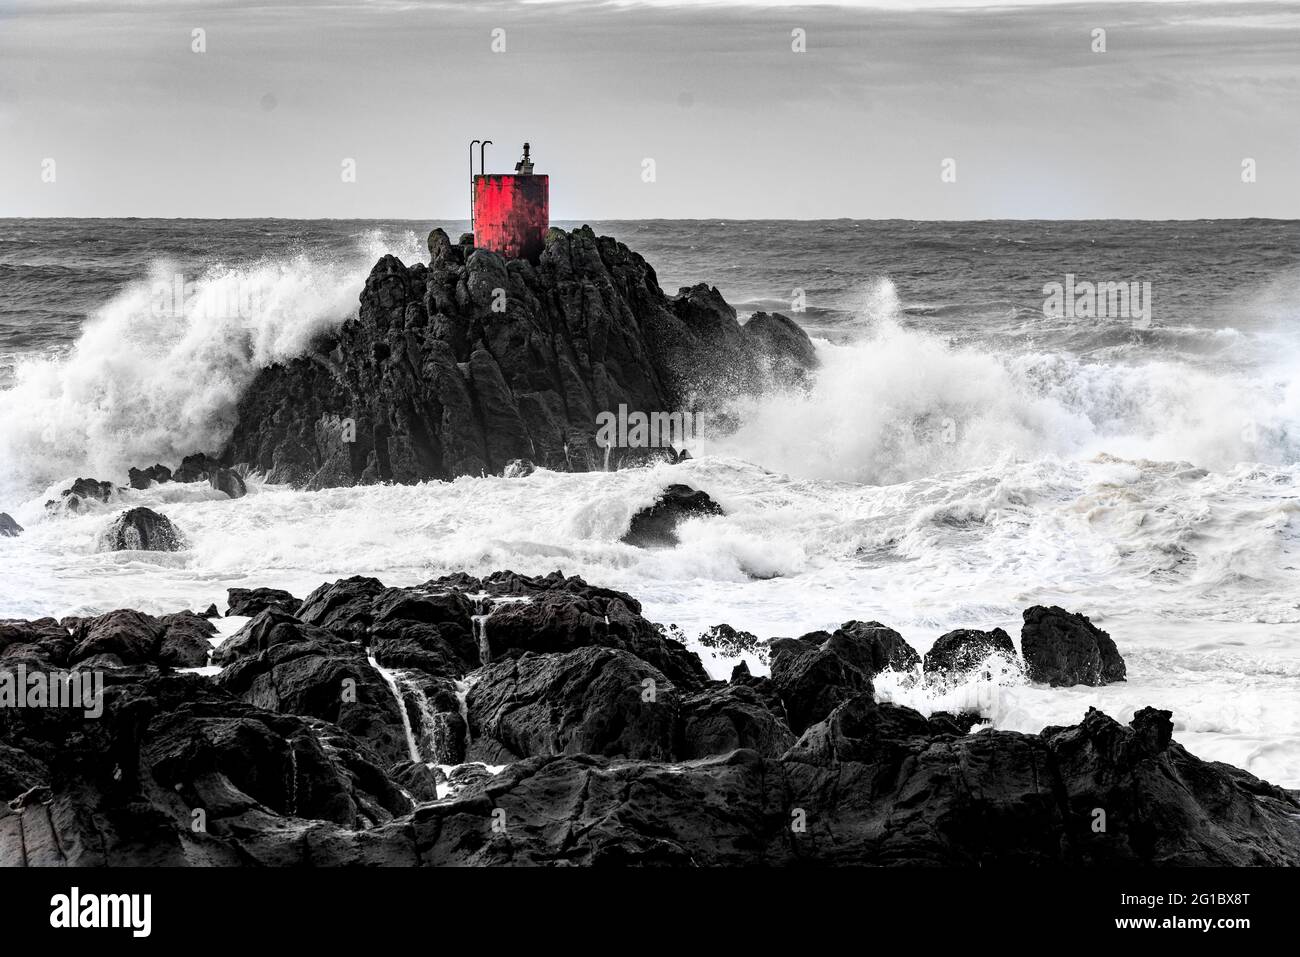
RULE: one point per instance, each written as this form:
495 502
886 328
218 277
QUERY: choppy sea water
959 458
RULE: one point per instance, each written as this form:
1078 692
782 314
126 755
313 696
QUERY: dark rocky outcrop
142 529
886 647
253 601
816 673
8 527
83 490
655 526
1061 648
297 752
959 652
733 642
126 637
144 478
279 663
588 701
430 381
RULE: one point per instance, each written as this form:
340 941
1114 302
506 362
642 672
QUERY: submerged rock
655 527
142 529
8 527
1061 648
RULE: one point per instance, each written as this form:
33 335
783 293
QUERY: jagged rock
588 701
731 642
184 642
144 478
211 612
438 383
142 529
886 647
196 468
871 784
279 663
343 606
655 527
129 636
8 527
964 650
1061 648
817 672
50 640
82 490
228 481
126 638
787 346
563 614
253 601
739 714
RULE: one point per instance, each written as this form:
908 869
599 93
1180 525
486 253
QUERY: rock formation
618 748
1061 648
473 362
142 529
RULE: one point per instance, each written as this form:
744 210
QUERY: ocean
959 457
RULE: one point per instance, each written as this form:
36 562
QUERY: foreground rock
619 749
142 529
1061 649
8 527
430 381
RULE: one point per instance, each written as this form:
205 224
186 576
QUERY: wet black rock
8 527
144 478
959 652
886 647
588 701
83 490
816 673
281 664
430 381
288 771
561 614
252 601
126 638
196 468
732 643
142 529
655 526
1061 648
228 481
739 714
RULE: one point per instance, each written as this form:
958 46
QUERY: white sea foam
140 386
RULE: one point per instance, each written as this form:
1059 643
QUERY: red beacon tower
511 213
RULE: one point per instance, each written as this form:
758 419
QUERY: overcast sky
738 125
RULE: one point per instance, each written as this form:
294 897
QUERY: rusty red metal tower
511 213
